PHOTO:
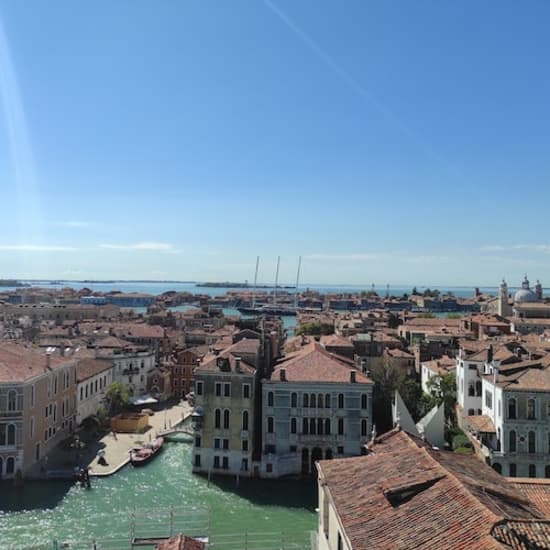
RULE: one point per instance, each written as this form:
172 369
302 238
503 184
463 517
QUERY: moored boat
142 455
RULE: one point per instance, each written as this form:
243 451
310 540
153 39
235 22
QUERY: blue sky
401 142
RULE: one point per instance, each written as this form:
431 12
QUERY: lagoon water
152 287
41 512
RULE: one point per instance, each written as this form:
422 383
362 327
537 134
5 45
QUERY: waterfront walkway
117 446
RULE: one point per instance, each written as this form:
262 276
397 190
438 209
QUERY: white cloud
73 224
501 248
165 247
343 257
36 248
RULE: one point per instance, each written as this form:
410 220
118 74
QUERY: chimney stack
352 378
282 374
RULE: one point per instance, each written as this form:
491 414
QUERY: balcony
129 372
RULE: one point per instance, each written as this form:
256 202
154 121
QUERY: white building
513 430
436 367
94 376
316 405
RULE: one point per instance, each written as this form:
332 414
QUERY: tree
116 398
415 292
387 378
443 389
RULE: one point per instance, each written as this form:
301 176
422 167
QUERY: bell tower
504 308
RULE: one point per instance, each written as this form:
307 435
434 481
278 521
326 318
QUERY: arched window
327 426
217 418
363 427
340 400
1 467
245 420
312 426
320 400
512 408
531 409
512 441
532 470
270 425
12 400
226 419
312 401
11 434
320 424
305 400
305 426
327 400
293 399
532 442
340 426
270 399
293 426
10 465
363 400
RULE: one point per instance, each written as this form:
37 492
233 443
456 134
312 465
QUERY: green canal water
39 513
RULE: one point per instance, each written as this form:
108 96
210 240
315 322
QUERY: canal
39 513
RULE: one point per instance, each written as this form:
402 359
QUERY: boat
267 310
273 308
142 455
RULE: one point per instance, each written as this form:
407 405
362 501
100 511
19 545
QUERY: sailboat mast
276 281
255 282
297 282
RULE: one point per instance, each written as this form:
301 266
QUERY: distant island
12 282
227 284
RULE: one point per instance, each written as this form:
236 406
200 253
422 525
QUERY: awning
145 399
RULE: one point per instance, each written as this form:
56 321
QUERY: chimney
282 374
48 361
352 378
237 364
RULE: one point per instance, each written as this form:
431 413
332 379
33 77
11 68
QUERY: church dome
525 294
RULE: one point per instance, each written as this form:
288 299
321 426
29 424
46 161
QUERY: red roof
405 495
313 363
20 362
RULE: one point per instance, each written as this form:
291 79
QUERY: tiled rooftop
313 363
405 495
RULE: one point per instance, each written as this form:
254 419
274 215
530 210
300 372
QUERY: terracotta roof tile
313 363
404 495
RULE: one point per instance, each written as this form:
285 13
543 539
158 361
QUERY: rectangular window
217 443
198 441
216 462
227 390
244 445
199 386
269 424
197 461
488 399
225 463
226 444
340 450
218 390
246 391
269 468
32 396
